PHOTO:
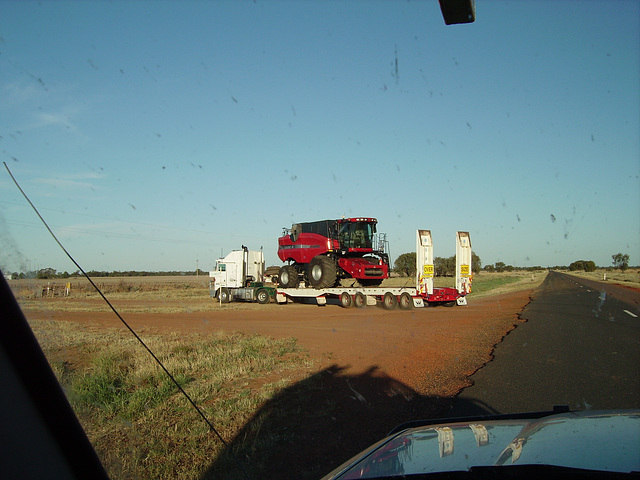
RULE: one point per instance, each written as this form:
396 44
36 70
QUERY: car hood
592 440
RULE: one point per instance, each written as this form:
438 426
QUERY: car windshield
496 143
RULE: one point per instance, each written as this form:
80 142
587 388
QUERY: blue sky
156 135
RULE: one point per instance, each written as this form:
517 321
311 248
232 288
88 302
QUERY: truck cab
239 276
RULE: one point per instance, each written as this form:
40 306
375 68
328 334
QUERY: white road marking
631 313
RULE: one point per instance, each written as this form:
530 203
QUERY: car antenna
153 355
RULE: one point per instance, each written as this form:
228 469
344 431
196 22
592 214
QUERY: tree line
52 273
405 265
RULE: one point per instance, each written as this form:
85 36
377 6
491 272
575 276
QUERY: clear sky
157 135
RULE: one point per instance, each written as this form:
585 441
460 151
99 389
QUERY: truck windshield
356 235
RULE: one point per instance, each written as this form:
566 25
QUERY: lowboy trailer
423 294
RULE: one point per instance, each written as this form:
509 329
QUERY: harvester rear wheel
322 272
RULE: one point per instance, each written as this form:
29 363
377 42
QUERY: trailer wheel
263 296
390 301
345 300
452 303
224 295
360 301
322 272
405 302
288 277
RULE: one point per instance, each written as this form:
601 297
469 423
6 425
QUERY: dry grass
133 413
628 278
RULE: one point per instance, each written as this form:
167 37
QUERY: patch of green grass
484 283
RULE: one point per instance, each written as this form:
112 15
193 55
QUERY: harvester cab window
356 235
222 267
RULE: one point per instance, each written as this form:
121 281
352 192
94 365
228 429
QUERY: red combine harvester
323 252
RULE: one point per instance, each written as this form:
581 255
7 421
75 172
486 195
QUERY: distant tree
621 261
500 266
577 265
444 267
476 263
489 268
45 273
586 265
405 264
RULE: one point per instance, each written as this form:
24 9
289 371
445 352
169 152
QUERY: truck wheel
224 295
263 296
288 277
360 301
452 303
406 302
322 272
390 301
345 300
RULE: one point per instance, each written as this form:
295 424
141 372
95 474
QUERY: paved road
579 347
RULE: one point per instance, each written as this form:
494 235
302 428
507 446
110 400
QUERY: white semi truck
240 276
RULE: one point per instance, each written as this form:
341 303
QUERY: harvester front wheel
322 272
288 277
